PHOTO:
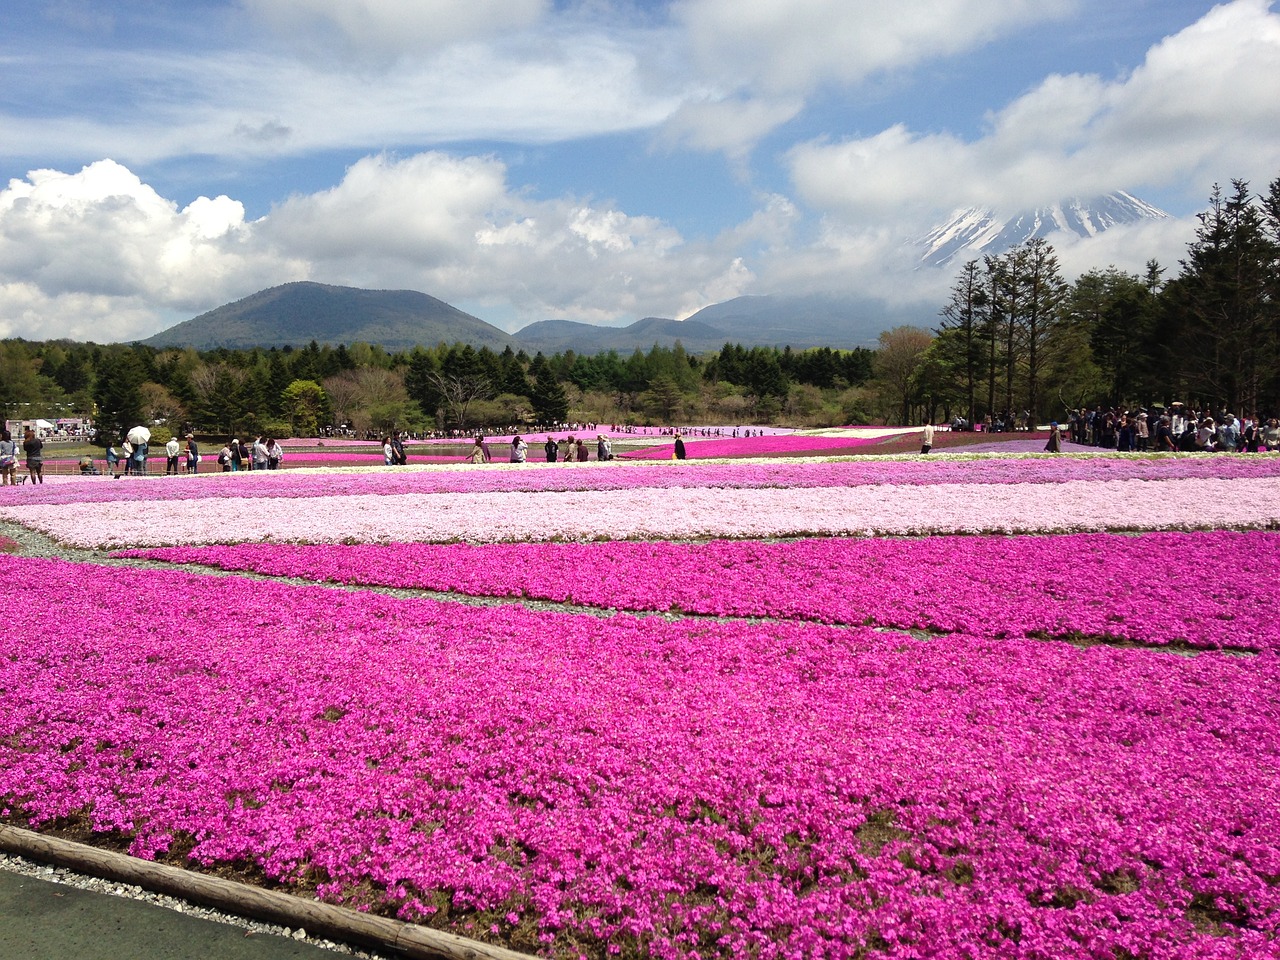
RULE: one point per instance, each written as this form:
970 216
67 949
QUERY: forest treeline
1013 338
445 388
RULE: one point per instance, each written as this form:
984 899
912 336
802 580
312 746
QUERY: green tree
961 344
303 403
549 399
118 394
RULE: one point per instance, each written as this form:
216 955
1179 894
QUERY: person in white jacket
171 457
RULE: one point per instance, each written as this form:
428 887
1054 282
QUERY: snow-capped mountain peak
974 233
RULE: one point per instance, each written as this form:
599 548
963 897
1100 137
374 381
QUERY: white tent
43 425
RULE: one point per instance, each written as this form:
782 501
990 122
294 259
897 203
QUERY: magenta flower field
1081 587
902 708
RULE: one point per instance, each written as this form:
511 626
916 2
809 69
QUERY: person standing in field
679 452
8 460
551 448
171 457
193 455
583 456
519 449
926 443
259 452
33 446
274 454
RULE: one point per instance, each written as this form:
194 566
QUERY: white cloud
394 28
791 46
1201 108
732 125
453 227
257 103
100 255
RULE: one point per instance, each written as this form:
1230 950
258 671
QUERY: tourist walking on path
193 455
1055 439
926 442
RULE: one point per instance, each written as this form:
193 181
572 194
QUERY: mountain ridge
975 232
294 314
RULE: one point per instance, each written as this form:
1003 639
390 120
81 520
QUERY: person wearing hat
1055 439
171 457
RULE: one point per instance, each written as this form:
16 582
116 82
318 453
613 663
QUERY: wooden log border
338 923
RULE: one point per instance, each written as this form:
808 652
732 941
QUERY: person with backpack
8 460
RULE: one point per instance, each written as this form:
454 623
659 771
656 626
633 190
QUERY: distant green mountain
800 322
812 320
557 336
297 313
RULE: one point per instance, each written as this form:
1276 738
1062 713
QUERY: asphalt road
40 920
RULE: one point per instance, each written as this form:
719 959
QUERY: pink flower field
894 708
1082 587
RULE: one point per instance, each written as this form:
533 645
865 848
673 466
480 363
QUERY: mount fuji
974 233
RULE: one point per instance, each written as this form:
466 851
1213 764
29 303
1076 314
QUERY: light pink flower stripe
1151 588
657 514
537 477
693 789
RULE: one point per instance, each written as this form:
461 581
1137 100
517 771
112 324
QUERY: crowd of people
261 453
1173 428
573 449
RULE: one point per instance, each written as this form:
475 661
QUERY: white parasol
139 435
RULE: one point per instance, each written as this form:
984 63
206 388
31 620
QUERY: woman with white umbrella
139 436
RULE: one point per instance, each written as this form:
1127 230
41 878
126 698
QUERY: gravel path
43 871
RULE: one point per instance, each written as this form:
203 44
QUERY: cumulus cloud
383 29
100 255
1200 108
454 227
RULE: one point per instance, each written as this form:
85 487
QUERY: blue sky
597 160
